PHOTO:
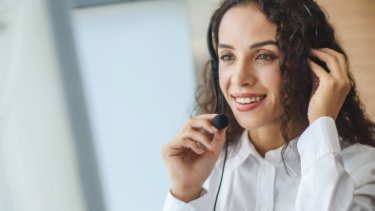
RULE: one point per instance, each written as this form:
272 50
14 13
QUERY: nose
244 75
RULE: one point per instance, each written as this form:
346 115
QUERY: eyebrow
255 45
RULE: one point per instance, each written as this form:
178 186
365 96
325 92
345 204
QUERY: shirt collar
241 151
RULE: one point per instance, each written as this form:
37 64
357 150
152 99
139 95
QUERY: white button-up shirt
326 176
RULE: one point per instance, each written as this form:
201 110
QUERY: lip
246 107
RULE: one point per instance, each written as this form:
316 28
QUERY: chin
252 121
248 122
251 125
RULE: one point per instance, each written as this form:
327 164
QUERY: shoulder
359 162
358 153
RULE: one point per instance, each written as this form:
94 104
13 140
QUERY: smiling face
249 66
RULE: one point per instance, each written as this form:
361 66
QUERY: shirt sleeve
206 199
326 184
174 204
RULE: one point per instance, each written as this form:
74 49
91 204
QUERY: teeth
246 100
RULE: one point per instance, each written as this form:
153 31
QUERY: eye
265 57
226 58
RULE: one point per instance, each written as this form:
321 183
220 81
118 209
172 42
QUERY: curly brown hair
301 25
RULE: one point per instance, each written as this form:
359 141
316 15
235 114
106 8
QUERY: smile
249 100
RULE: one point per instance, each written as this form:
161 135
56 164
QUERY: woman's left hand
329 89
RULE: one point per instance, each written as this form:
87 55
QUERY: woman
298 138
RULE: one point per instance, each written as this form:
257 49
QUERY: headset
214 65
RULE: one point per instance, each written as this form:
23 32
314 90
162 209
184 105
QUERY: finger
190 144
340 58
330 60
205 116
343 71
198 137
317 69
205 124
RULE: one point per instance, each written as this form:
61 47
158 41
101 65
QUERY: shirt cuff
319 139
174 204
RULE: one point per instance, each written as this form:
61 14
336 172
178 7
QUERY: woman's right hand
191 156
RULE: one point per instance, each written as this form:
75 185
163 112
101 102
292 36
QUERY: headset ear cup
214 67
215 82
214 74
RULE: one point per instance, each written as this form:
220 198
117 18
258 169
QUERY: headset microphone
220 121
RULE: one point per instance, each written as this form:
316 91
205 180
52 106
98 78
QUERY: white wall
137 69
38 168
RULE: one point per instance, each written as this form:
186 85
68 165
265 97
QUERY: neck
269 137
266 138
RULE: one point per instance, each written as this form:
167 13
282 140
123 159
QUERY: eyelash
269 57
222 58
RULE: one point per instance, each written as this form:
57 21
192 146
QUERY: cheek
272 80
276 82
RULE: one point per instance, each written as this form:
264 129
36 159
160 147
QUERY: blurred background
90 90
